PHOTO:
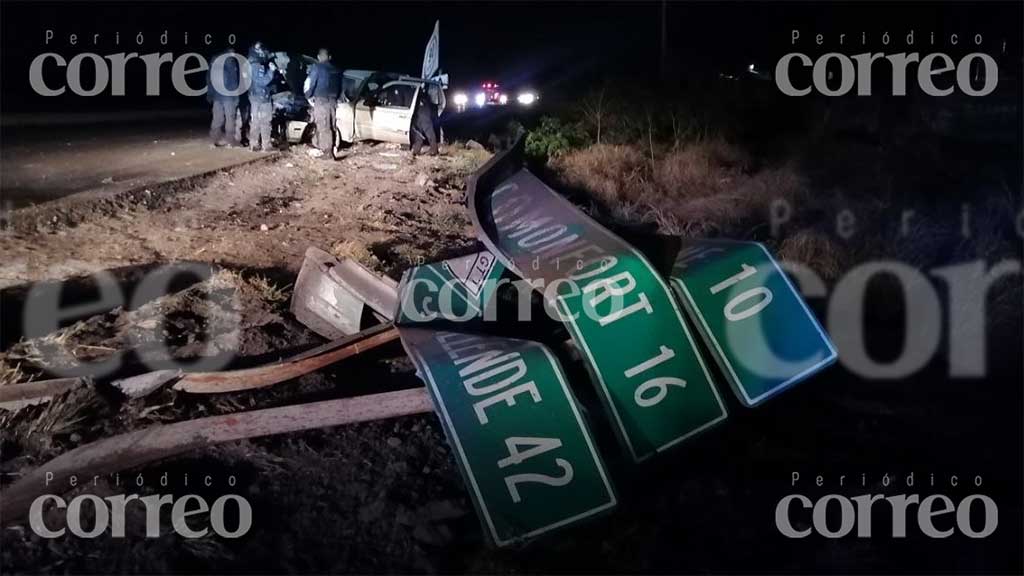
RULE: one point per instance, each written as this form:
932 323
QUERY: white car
376 106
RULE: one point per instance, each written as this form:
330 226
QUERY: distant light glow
526 98
461 99
751 67
503 99
480 99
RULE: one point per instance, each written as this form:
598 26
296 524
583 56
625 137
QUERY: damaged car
374 106
379 105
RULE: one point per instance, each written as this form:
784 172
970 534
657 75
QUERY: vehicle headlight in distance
480 99
461 99
526 98
503 99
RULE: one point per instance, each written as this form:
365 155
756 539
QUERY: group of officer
322 89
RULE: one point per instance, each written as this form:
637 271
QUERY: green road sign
618 310
754 321
520 439
455 290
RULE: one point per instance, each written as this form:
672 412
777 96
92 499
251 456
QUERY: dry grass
356 251
712 189
65 413
225 278
11 373
267 290
816 250
256 284
703 189
700 169
612 173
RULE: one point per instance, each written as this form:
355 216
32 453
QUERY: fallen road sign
756 324
458 289
519 436
620 312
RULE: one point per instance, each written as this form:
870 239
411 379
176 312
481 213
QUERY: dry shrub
700 169
815 250
268 290
613 174
738 210
704 189
357 251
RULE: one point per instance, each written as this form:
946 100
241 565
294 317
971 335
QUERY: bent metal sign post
619 311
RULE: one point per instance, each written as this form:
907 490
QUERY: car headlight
526 98
461 99
480 99
503 99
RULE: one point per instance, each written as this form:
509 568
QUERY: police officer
322 88
424 124
221 93
262 109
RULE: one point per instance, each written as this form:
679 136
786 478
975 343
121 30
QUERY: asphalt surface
43 163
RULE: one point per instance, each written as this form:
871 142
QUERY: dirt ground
379 497
387 496
261 216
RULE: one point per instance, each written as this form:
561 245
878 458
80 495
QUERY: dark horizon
556 46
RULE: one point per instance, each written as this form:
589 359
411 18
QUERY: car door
392 117
344 121
363 121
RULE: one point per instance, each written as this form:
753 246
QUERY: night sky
556 46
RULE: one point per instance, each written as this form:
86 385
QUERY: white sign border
418 359
734 381
608 399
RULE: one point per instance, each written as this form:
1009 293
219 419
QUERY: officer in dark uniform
263 70
424 123
222 98
322 88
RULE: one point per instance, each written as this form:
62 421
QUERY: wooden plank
14 396
262 376
148 445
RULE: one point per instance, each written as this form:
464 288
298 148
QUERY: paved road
43 163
